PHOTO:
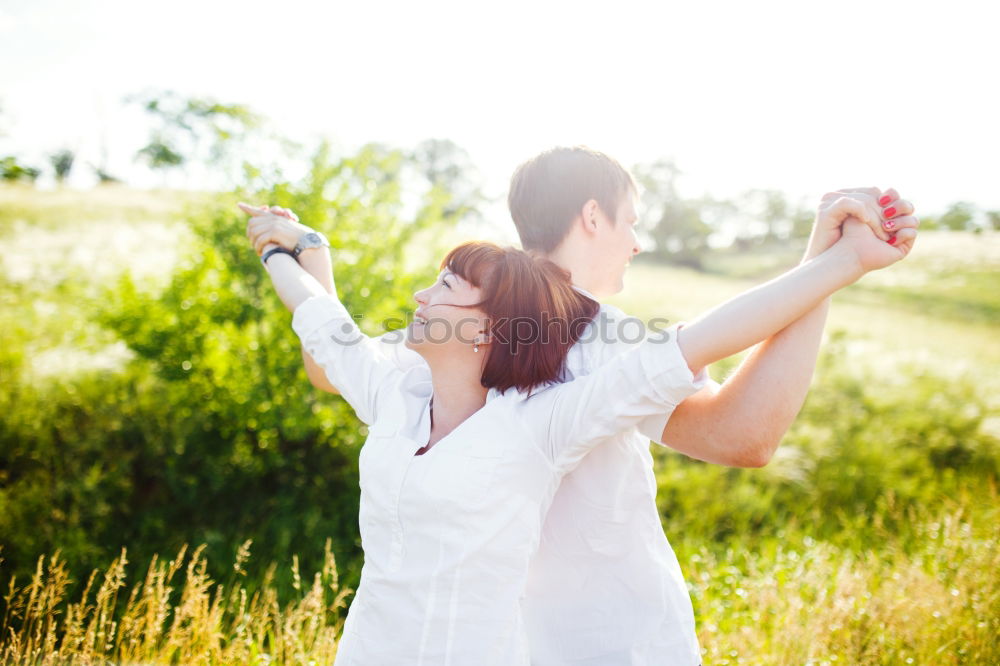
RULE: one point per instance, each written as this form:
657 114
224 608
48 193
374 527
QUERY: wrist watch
309 240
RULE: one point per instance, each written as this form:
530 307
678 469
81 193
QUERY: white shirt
605 587
448 536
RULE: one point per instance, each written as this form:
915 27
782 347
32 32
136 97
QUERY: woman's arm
281 226
764 310
743 421
316 261
347 358
660 374
761 312
293 284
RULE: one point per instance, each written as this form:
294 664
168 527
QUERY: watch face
310 240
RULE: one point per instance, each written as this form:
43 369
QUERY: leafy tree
13 171
104 176
158 155
62 163
448 166
190 130
770 209
958 216
802 219
993 219
677 230
769 217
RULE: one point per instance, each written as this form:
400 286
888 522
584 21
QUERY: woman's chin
416 344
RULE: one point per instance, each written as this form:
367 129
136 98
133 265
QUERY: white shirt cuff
667 369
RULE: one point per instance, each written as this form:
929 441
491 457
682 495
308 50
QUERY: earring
475 347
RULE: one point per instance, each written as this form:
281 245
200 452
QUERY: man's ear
588 215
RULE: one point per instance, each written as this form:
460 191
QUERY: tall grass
169 618
932 597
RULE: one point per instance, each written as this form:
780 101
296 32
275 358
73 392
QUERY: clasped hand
878 227
272 226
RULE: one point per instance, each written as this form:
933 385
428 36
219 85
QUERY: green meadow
173 491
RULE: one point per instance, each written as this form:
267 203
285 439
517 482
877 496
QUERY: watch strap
274 250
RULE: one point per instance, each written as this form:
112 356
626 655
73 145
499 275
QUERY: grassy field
872 538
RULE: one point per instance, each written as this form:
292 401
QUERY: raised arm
316 261
660 373
330 338
280 226
274 224
292 283
742 422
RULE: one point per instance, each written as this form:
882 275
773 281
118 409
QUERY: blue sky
796 96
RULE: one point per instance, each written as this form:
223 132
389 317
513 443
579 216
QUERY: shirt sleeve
615 333
647 381
652 427
354 363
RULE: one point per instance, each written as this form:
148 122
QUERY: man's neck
580 270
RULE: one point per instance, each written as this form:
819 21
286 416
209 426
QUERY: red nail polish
884 200
889 212
892 241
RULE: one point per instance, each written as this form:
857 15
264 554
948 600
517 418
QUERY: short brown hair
548 191
523 295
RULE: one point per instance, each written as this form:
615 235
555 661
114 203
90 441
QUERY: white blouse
448 536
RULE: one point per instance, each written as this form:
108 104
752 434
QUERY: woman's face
440 325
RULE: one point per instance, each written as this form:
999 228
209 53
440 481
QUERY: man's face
618 244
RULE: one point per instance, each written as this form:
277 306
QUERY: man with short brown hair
605 586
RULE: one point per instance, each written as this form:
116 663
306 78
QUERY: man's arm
742 422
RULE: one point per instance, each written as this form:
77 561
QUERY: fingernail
884 200
889 224
892 241
889 212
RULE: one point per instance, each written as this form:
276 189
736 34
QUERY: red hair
534 314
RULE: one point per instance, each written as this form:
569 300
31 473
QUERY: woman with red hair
464 454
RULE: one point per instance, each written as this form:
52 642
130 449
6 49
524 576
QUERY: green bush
13 171
212 433
864 450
